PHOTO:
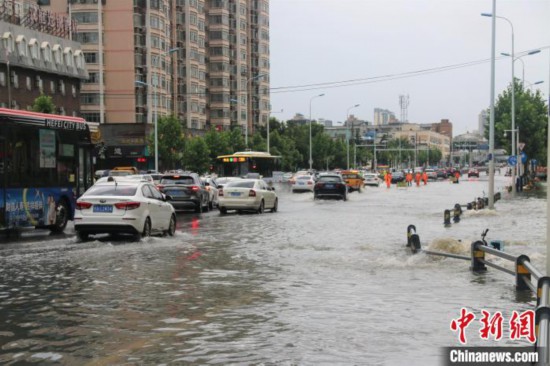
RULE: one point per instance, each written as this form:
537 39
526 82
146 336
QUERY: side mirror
167 197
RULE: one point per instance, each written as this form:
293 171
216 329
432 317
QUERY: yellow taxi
354 180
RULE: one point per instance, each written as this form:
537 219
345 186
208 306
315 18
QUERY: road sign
512 160
523 157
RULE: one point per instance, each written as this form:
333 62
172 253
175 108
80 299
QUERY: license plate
235 194
176 193
103 208
301 183
329 185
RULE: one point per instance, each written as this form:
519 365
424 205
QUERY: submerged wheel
223 210
172 226
261 208
274 209
146 230
61 217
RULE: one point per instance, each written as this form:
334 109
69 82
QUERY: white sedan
303 183
371 179
247 194
123 207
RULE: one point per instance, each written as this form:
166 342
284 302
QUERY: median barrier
523 271
456 212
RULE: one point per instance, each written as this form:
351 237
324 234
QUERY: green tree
530 118
218 143
196 156
170 142
43 104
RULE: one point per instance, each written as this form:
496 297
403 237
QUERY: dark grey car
186 191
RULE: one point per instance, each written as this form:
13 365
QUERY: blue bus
45 164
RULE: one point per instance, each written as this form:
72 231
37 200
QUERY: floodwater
317 283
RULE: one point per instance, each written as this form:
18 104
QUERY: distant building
298 119
444 127
325 122
383 117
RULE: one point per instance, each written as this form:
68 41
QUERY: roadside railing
524 272
477 204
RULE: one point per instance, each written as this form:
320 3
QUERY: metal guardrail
477 204
524 273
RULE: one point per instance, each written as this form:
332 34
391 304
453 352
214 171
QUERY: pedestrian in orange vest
425 177
457 175
388 179
417 179
409 178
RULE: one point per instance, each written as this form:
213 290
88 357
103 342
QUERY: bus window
2 181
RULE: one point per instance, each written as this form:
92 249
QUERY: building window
39 84
14 80
62 87
2 78
91 116
87 37
28 83
33 47
52 86
85 18
46 52
73 89
22 46
90 57
93 78
57 54
69 61
89 98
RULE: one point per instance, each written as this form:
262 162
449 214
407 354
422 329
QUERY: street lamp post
155 110
347 125
492 112
310 146
522 63
249 100
535 83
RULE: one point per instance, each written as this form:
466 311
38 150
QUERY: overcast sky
326 41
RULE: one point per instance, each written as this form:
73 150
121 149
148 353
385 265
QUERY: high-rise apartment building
206 62
483 122
383 117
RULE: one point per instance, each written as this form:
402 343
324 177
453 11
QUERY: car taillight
309 182
194 188
220 192
83 205
127 205
319 185
252 193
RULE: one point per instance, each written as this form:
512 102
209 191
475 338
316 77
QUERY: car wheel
61 217
274 209
223 210
315 196
146 229
261 208
82 236
172 226
345 197
198 207
210 205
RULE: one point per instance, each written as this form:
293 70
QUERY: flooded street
319 282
